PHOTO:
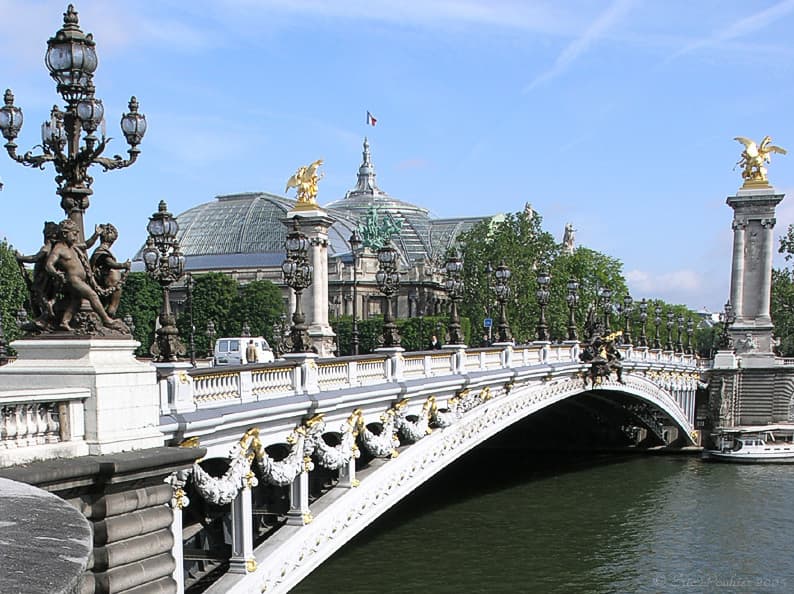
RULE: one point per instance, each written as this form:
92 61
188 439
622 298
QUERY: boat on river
754 445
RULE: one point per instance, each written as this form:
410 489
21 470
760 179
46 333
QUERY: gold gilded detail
305 180
184 378
190 442
308 518
754 159
250 565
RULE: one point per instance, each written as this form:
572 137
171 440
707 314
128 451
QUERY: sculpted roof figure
305 180
754 160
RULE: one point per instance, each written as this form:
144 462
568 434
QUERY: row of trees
518 240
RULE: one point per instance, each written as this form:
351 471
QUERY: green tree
782 305
593 271
142 299
260 306
523 245
215 297
13 291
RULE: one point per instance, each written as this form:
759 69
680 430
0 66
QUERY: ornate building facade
243 235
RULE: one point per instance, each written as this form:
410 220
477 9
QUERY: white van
231 351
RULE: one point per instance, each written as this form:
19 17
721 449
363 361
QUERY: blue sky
617 117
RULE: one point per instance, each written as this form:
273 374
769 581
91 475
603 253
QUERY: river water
506 520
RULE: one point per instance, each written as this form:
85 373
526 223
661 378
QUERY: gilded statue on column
755 158
305 179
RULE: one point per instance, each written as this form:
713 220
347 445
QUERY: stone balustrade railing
39 424
222 386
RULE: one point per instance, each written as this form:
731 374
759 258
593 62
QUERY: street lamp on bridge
388 279
454 288
164 263
657 321
355 244
298 275
669 344
679 345
502 290
573 299
68 141
690 330
542 293
628 304
643 323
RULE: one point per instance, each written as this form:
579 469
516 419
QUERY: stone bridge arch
342 513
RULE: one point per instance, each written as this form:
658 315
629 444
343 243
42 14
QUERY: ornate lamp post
643 323
211 333
388 280
628 306
68 141
657 321
669 344
690 330
542 294
298 276
454 288
679 345
728 318
165 264
606 305
71 59
488 272
573 299
355 245
189 290
502 290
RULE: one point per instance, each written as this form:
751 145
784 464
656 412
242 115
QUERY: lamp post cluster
298 275
502 290
572 298
543 294
388 279
72 60
164 263
355 245
454 288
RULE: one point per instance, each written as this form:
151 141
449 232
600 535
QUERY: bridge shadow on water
568 437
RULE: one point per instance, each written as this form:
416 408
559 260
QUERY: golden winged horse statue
754 159
305 180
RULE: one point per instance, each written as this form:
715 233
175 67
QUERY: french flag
371 121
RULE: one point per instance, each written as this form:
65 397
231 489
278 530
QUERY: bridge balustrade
37 424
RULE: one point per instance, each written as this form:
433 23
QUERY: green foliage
142 299
781 307
261 307
592 270
415 333
519 242
215 297
13 292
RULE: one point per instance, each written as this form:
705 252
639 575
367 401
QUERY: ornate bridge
307 453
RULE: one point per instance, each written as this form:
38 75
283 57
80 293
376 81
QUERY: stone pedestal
751 271
315 222
122 411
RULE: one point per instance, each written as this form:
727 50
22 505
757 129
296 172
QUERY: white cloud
677 281
741 28
605 21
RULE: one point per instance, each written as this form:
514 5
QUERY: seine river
578 523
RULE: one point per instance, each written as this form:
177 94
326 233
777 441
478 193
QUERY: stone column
314 224
242 559
751 274
737 266
299 513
